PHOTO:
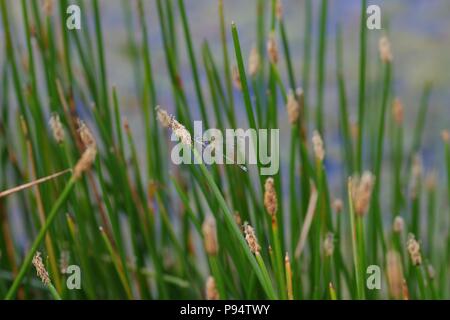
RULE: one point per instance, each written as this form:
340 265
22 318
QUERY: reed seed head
431 181
361 192
405 290
397 111
354 129
328 244
48 7
413 247
57 128
394 272
64 261
293 108
40 268
210 236
399 224
237 218
86 136
254 62
250 237
236 78
85 162
270 197
168 121
445 134
211 289
272 49
163 117
279 10
417 170
384 47
319 151
338 205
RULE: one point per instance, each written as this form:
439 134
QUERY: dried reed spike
250 237
413 247
57 128
361 192
318 147
236 78
293 108
307 223
254 62
397 111
177 128
85 162
287 266
328 244
384 47
64 261
40 268
272 49
394 272
211 289
445 134
431 181
237 218
210 236
398 225
270 197
416 171
86 136
48 7
338 205
33 183
279 10
405 290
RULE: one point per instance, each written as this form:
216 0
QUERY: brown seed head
270 197
385 50
338 205
57 128
40 268
431 181
211 289
397 111
64 261
394 272
236 78
177 128
237 218
250 237
85 162
210 236
445 134
398 225
413 247
361 192
293 108
254 62
48 7
328 244
417 170
86 136
272 49
163 117
318 148
279 10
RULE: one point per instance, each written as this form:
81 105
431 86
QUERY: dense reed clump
105 193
